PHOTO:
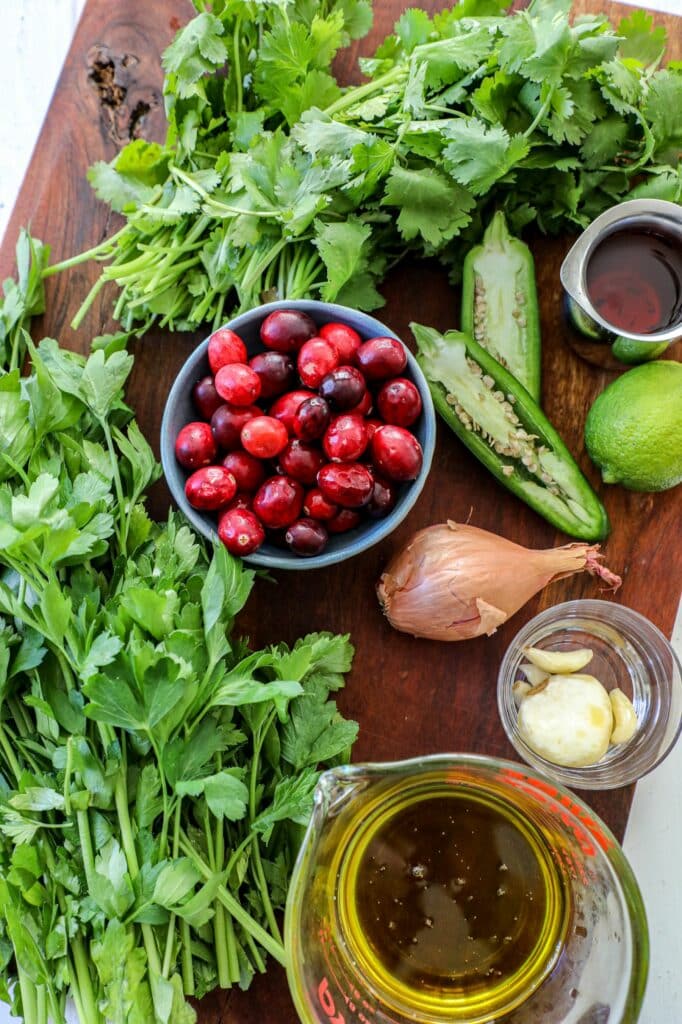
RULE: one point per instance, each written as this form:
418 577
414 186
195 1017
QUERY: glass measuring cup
587 961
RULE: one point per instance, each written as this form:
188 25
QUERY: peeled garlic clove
559 662
520 688
533 674
568 721
624 717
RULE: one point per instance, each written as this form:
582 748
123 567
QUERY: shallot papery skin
453 582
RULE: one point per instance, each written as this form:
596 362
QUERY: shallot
453 581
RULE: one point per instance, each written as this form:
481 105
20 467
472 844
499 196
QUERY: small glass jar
629 653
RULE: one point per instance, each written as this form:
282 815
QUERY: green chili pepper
505 428
500 303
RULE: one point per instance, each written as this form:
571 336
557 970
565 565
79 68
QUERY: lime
629 351
634 429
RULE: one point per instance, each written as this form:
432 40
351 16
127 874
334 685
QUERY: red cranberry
364 406
264 437
384 497
205 397
345 519
348 484
372 426
301 461
343 388
311 419
317 506
276 371
396 453
346 438
227 423
224 347
240 531
315 360
247 470
278 502
399 402
286 406
381 357
345 340
238 384
242 501
195 446
285 330
307 537
210 488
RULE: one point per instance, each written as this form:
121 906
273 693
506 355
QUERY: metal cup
597 335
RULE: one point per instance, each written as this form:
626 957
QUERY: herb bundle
154 772
275 182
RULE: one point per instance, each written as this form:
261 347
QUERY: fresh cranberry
264 437
205 397
247 470
343 388
238 384
242 501
311 419
399 402
345 340
286 406
315 360
384 497
240 531
278 502
227 423
225 347
345 519
276 371
346 438
364 406
348 484
317 506
396 453
286 330
195 446
307 537
381 357
372 426
301 461
210 488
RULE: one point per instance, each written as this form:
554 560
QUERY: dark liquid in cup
634 280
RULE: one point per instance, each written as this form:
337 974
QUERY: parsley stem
9 754
28 998
255 850
88 1001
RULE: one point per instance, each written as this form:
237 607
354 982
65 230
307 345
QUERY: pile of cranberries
302 440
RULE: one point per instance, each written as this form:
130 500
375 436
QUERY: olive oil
448 899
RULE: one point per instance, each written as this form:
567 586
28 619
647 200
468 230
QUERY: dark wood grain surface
411 697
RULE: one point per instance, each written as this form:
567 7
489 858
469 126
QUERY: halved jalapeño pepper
505 428
500 304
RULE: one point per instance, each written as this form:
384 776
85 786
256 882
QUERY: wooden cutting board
411 697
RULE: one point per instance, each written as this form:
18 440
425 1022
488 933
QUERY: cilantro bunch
274 182
154 772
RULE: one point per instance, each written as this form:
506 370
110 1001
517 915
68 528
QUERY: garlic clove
568 721
520 689
624 717
559 662
533 674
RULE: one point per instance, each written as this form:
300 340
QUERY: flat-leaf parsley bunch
154 772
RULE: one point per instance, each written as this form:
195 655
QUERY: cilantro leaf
430 204
640 39
478 155
663 108
197 48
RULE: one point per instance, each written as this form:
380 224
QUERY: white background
34 38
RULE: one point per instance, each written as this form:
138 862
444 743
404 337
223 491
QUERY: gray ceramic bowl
180 410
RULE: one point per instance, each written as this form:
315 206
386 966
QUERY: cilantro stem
9 754
236 64
87 852
242 916
187 965
88 301
82 257
540 114
121 525
357 93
